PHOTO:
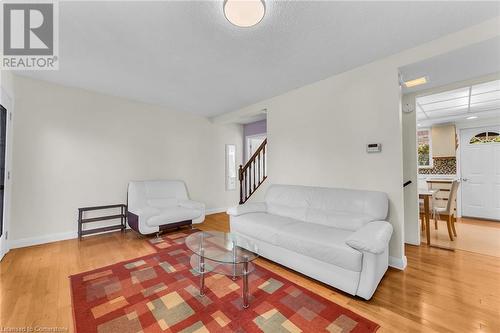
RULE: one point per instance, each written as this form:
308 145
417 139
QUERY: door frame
460 133
247 143
8 103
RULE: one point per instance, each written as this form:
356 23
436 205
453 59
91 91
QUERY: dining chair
421 213
421 210
448 213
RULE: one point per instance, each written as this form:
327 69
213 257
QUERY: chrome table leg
234 261
245 283
202 275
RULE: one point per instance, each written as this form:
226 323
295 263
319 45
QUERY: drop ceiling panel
457 93
457 104
450 112
452 103
491 105
485 97
486 87
421 115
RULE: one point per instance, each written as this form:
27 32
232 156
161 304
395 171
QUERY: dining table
426 196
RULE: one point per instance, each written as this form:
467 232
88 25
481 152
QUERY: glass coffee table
222 253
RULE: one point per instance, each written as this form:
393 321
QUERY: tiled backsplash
442 166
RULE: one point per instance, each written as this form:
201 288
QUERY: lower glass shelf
228 269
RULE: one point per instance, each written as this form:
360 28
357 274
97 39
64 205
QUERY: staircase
253 173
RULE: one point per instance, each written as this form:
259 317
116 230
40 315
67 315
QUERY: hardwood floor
440 291
479 222
479 236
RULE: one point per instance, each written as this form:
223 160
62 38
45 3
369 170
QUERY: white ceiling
186 56
467 63
478 96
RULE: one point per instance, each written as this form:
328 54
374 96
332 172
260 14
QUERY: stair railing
253 173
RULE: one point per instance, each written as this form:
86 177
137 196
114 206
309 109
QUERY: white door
3 137
5 158
480 172
254 142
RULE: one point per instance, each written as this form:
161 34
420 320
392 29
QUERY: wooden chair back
451 205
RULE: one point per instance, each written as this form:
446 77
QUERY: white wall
75 148
410 173
6 81
317 133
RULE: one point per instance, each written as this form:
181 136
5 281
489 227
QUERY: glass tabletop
222 247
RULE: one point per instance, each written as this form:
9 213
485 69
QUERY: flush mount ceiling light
415 82
471 117
244 13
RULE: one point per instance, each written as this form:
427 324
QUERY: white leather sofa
156 205
337 236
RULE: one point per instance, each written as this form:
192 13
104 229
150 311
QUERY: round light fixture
244 13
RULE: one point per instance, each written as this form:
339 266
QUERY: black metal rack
81 220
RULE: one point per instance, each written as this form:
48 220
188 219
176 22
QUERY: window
485 137
230 167
424 148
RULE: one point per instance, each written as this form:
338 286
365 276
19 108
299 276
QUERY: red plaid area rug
159 293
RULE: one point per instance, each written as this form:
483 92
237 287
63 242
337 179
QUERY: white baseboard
17 243
398 263
3 252
215 210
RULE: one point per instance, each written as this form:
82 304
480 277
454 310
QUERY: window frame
487 132
431 160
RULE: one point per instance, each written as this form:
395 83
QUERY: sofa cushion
155 189
162 202
328 206
369 203
321 242
341 220
289 201
155 193
173 214
261 226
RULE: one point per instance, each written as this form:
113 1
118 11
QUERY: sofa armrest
253 207
373 237
192 204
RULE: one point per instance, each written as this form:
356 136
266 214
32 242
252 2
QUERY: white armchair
156 205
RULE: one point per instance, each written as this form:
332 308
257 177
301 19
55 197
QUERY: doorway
480 172
451 145
252 143
3 142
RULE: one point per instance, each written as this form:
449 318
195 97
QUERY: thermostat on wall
373 147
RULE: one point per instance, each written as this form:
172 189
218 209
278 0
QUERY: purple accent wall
258 127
